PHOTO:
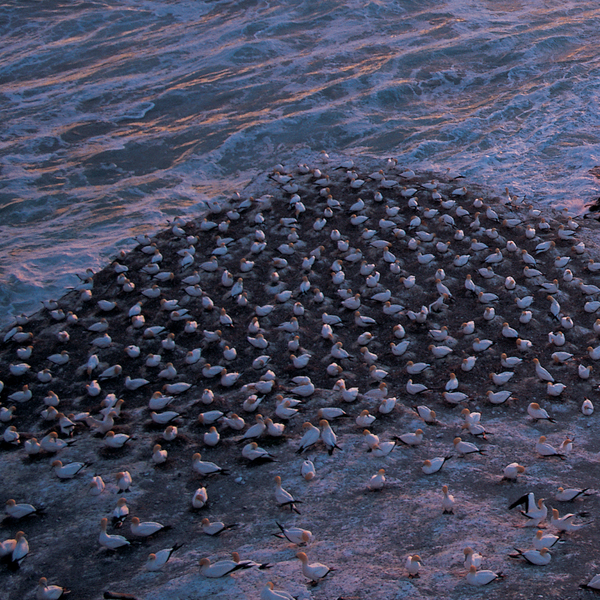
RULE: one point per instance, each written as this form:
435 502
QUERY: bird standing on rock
283 497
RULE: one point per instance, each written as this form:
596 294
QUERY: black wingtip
521 500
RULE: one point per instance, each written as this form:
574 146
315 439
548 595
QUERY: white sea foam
120 114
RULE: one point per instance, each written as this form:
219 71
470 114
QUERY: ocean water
118 115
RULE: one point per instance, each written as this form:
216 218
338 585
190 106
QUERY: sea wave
120 114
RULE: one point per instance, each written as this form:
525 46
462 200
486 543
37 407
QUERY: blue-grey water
119 114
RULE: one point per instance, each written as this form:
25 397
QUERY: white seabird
315 571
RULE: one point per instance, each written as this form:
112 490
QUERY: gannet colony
359 383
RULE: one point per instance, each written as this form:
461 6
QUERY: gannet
331 412
159 401
588 289
7 547
210 417
537 413
594 583
51 399
415 368
371 439
204 467
146 528
254 453
431 466
523 345
124 481
369 357
591 307
501 378
328 436
486 297
216 527
307 470
19 511
415 388
480 578
200 498
534 557
221 568
20 549
310 437
11 435
400 348
365 419
386 406
525 317
32 447
481 345
112 542
587 408
439 335
564 523
464 448
542 373
251 403
447 501
256 430
555 389
594 353
315 571
96 486
164 418
23 395
304 387
411 439
561 357
115 440
285 410
295 535
544 541
454 397
570 494
120 512
132 351
413 565
68 471
49 592
468 363
283 497
439 351
270 593
170 433
426 414
159 456
498 397
472 558
452 384
377 481
535 512
19 369
545 449
274 429
512 471
18 335
158 560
